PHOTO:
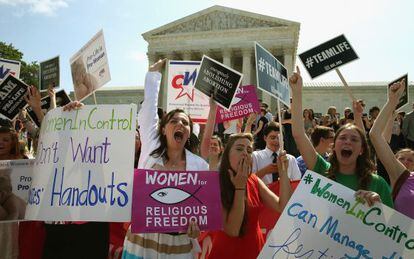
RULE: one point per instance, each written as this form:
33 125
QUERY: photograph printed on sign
327 56
404 98
15 181
89 67
218 80
272 76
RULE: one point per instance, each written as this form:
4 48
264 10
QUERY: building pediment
218 18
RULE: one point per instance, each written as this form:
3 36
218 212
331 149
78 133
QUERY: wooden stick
347 88
94 98
281 143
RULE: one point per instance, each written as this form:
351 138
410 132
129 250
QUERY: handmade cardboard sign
323 219
181 92
327 56
271 75
167 201
218 80
84 165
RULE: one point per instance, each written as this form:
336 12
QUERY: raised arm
358 110
208 132
270 199
33 98
303 143
52 94
147 116
383 150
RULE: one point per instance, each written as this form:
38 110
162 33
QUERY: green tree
29 72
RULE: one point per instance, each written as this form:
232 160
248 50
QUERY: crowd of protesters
369 153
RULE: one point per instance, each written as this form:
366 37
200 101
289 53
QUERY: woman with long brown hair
243 195
349 163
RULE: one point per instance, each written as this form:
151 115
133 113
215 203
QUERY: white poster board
89 67
84 165
181 92
324 220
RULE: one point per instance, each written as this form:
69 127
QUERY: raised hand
33 97
73 106
295 80
396 91
283 163
368 196
157 66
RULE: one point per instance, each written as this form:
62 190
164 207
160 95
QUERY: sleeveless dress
250 244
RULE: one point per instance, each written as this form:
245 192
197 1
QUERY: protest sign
89 67
181 92
271 75
218 80
9 67
62 98
327 56
404 98
12 92
49 73
84 165
323 219
244 103
166 201
15 180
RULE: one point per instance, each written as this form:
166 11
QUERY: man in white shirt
264 161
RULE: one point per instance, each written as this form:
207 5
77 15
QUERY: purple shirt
405 197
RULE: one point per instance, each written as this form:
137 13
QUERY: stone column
288 63
247 63
151 58
227 57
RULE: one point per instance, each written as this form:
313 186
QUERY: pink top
405 197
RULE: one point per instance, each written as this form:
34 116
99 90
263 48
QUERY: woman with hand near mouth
400 167
243 196
164 147
349 164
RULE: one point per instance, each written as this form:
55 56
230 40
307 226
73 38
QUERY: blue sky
381 32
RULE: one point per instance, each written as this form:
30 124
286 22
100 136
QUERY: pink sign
166 201
244 103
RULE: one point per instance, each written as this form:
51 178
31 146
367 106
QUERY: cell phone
364 115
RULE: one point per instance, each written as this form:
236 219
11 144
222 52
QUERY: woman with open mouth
164 146
349 163
400 168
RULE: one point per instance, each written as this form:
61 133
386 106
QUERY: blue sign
271 75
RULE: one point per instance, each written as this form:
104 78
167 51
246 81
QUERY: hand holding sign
369 197
396 91
157 66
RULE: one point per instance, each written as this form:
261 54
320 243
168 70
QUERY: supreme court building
228 35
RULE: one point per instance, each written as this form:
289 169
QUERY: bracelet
240 189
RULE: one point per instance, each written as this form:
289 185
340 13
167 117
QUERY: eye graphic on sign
171 195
